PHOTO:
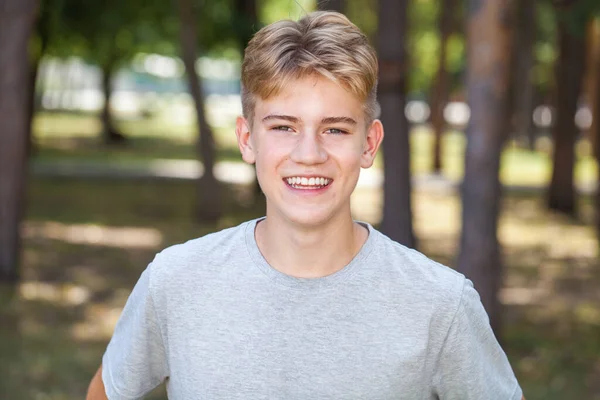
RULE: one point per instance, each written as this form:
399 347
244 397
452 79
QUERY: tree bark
31 106
16 23
569 72
209 207
488 47
595 108
332 5
110 134
440 92
523 63
397 210
43 30
593 82
247 14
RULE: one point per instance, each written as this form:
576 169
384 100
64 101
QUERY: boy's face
309 143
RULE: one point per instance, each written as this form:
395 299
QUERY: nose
309 150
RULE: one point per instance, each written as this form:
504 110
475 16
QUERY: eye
336 131
282 128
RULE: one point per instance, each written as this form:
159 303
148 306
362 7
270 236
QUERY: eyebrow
328 120
335 120
284 117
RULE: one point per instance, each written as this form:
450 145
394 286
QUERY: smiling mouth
304 183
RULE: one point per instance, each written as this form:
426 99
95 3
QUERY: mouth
308 183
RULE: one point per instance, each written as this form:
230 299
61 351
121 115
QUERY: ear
242 131
372 143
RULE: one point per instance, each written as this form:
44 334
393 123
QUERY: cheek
271 153
348 154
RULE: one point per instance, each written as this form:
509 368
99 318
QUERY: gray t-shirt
215 321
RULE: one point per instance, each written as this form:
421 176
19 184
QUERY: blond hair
322 42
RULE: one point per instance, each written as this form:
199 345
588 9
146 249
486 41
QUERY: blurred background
117 140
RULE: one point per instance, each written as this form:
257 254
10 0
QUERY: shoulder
417 273
200 257
198 248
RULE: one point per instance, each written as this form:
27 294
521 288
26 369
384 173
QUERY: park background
110 151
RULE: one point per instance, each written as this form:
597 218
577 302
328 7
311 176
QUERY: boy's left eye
336 131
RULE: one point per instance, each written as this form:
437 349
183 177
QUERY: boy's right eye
282 128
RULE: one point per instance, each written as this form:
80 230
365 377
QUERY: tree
16 22
246 16
594 102
209 205
488 44
43 28
569 72
522 95
397 210
332 5
104 33
109 33
440 91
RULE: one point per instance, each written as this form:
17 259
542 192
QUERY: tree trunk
31 101
248 16
595 108
440 92
569 73
332 5
592 81
522 99
397 211
110 134
16 22
43 30
209 206
488 47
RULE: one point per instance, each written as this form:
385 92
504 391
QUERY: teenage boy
305 303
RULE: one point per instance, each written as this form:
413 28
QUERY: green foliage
424 46
111 32
577 14
545 51
364 14
274 10
423 43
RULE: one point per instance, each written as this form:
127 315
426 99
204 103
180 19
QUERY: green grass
51 340
75 137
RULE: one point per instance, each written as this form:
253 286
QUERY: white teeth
302 181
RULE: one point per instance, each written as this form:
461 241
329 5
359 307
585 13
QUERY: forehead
312 97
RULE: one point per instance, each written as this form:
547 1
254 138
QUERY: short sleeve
135 361
472 365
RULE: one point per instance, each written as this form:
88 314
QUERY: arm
96 389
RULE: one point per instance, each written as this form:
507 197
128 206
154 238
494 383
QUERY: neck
306 252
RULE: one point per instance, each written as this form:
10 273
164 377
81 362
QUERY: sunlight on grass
98 323
63 294
97 235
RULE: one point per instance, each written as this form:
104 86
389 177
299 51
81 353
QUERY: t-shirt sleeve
135 361
472 365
